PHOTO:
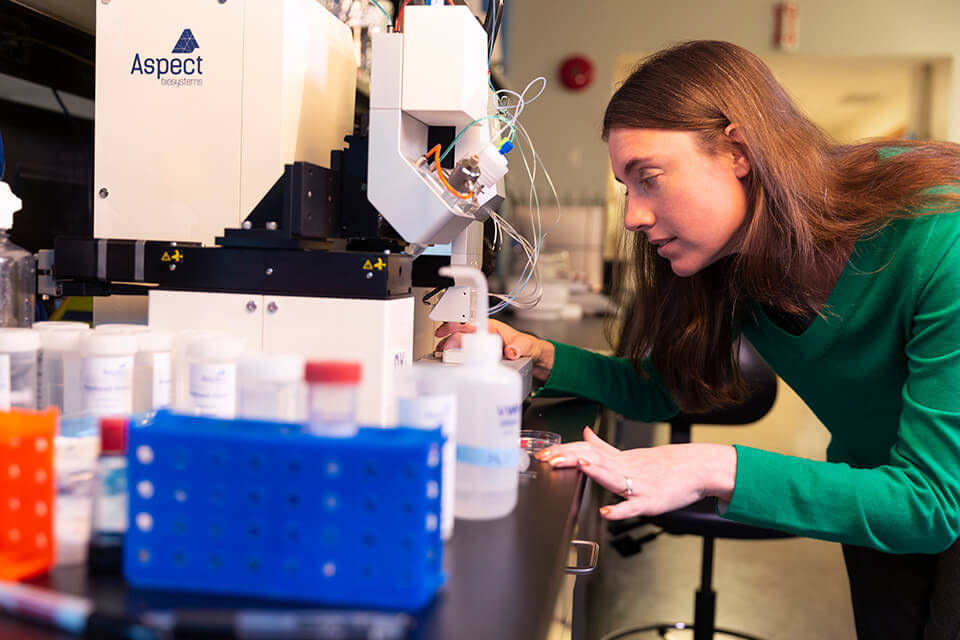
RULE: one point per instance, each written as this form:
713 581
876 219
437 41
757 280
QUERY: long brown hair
809 200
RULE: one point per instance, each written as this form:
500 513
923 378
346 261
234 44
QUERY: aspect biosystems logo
179 71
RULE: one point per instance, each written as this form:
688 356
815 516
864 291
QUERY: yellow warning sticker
176 256
367 266
379 264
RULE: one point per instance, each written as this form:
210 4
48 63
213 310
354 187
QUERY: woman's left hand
652 480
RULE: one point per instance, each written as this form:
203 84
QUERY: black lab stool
700 518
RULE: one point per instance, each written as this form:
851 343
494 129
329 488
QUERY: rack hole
180 495
179 526
253 564
293 499
329 569
255 496
216 560
144 454
293 534
256 462
433 490
293 465
40 509
333 468
143 556
145 489
40 444
144 522
254 530
332 502
179 558
372 469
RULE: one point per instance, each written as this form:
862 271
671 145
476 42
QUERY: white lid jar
106 373
18 350
212 367
270 387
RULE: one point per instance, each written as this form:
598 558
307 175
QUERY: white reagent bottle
489 396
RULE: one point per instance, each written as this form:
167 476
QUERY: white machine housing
200 104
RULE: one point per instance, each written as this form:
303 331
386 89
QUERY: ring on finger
628 491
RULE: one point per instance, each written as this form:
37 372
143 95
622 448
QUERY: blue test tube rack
249 508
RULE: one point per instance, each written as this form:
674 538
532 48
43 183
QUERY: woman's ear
741 165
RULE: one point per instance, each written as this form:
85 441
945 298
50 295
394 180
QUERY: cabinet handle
594 557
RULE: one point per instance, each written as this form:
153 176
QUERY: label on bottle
110 512
162 383
213 389
508 421
107 383
484 457
4 382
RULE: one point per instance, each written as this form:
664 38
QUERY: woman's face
689 203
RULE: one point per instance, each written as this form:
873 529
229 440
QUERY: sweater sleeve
911 504
613 382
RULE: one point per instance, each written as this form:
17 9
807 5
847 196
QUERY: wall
565 126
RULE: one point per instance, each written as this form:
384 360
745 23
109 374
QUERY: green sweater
880 369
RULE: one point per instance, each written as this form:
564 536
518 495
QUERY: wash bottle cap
61 340
481 346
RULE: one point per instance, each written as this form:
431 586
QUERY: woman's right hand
516 344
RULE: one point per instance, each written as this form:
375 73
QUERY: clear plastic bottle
110 499
270 387
18 269
20 346
332 398
489 397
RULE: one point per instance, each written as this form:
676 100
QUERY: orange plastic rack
27 492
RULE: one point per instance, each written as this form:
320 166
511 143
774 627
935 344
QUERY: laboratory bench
506 578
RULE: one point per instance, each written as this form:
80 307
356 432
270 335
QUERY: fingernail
557 460
583 462
511 353
604 511
542 455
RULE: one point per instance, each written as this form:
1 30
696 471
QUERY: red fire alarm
785 26
576 73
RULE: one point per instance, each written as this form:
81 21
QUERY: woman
842 267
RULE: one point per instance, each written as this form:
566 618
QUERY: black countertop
503 575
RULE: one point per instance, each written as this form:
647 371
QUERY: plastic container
332 398
106 374
76 447
270 387
530 443
426 401
109 521
212 366
153 371
489 397
18 269
181 364
59 360
21 347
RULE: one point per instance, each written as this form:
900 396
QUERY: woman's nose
638 216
